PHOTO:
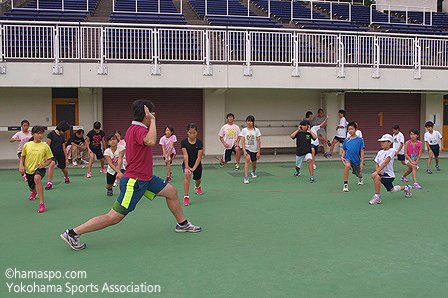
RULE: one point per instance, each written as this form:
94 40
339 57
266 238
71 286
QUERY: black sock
345 182
72 233
183 223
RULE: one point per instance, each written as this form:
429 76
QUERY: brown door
65 109
376 113
176 107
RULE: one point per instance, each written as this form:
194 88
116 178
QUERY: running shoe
186 201
437 168
314 166
221 163
25 179
84 161
89 175
328 156
246 181
407 191
110 192
416 185
361 181
73 242
254 175
187 228
237 167
66 180
49 186
345 188
41 208
103 170
75 163
311 179
297 174
198 190
404 179
32 196
115 183
375 200
168 179
428 170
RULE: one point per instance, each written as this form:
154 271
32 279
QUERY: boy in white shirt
315 143
229 136
114 155
398 143
384 174
251 147
432 140
341 132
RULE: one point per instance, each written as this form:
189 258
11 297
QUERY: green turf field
279 236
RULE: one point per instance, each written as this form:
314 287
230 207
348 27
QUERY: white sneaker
360 181
254 175
115 183
75 163
246 180
84 161
314 166
345 189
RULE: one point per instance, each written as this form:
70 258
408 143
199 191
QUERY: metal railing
136 10
55 9
389 10
87 42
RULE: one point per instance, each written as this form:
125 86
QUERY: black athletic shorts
228 154
400 157
339 139
435 149
110 179
30 178
97 151
316 149
172 157
253 156
59 158
387 182
197 174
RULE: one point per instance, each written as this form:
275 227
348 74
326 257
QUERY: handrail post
158 5
269 8
371 17
207 71
331 10
248 70
155 70
102 69
417 59
87 6
341 53
63 5
376 62
2 56
407 16
295 51
57 69
292 11
206 10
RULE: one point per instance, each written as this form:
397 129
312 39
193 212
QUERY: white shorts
301 158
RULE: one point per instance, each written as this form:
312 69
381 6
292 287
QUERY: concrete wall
84 75
418 3
35 105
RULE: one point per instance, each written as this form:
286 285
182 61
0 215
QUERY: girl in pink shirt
413 152
169 153
23 136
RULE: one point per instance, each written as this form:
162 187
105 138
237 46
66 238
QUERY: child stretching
352 150
114 157
432 140
341 132
56 141
315 143
413 152
398 143
22 136
121 142
192 149
169 153
251 147
229 135
95 138
384 174
303 137
36 156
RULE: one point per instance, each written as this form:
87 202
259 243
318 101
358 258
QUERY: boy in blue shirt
353 155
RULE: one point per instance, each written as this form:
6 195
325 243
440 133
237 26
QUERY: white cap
386 137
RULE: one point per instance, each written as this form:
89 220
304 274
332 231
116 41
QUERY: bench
278 141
